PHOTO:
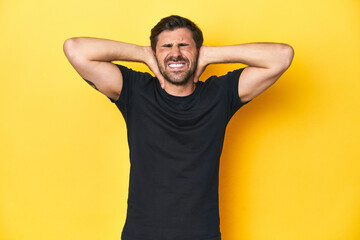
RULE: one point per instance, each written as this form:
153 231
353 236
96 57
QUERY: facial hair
176 80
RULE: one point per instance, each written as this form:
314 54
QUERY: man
176 123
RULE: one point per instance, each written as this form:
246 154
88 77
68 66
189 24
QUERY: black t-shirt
175 145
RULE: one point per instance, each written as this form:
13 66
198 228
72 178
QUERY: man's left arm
266 62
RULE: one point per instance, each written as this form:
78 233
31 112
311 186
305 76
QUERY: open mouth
176 66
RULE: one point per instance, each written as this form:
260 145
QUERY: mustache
176 59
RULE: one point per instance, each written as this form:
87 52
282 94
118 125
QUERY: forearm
263 55
87 54
97 49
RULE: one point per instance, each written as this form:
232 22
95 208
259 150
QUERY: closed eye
183 44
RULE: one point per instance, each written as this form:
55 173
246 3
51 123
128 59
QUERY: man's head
173 22
176 42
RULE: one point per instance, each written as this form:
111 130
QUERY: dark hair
174 22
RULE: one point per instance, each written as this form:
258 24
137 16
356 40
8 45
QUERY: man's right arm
91 58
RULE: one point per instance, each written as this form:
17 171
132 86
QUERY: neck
180 91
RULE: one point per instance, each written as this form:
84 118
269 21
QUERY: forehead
175 36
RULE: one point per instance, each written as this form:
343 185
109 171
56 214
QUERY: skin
176 56
266 63
91 84
91 58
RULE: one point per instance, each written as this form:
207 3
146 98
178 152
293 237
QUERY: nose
175 52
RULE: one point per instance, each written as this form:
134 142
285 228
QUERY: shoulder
130 73
232 75
132 82
230 79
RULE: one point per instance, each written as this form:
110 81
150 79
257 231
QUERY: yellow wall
290 166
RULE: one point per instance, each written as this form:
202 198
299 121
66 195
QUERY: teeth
176 64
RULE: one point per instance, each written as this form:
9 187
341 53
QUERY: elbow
68 47
71 49
287 55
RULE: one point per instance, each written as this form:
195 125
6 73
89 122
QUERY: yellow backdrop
290 165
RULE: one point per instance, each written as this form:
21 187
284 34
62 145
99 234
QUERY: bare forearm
98 49
264 55
92 57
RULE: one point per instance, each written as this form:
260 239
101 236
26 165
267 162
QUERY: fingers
196 78
159 76
201 64
162 81
198 73
153 65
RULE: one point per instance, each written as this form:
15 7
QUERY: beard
178 78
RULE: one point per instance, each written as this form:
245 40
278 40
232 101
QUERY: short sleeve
131 79
230 83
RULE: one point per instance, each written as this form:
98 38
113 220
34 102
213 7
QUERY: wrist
207 55
210 55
